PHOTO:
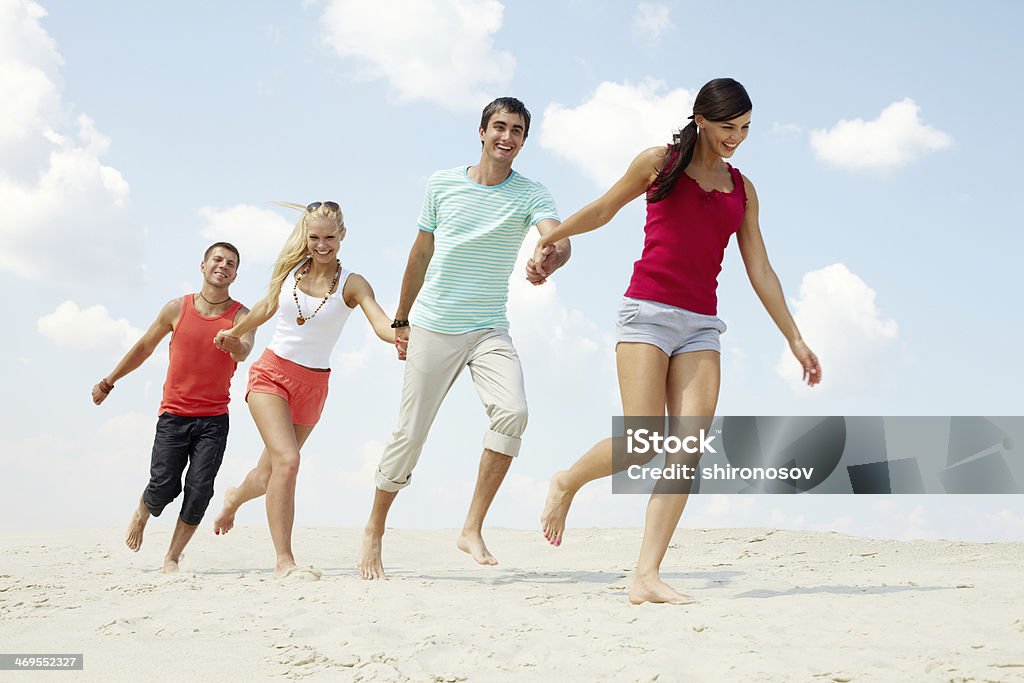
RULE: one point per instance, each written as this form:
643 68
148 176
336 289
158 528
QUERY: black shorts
197 442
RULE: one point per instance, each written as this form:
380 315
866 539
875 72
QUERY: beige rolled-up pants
433 364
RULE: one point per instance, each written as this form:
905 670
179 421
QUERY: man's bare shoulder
171 311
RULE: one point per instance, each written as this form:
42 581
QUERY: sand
773 606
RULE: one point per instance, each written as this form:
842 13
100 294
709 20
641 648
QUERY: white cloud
440 51
123 437
258 233
362 478
348 359
29 64
651 21
602 135
545 327
839 320
52 181
87 329
785 129
896 138
112 457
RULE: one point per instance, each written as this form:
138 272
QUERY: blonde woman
310 296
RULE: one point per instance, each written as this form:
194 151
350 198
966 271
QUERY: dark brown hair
512 106
719 100
226 245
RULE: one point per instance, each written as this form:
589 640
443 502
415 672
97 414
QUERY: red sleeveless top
684 243
199 376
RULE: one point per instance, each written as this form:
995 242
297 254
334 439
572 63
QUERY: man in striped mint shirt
472 224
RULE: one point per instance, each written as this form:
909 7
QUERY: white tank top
309 344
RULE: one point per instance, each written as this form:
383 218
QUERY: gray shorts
673 330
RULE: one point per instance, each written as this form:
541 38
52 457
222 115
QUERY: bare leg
594 464
493 467
179 539
643 369
693 384
133 537
253 486
273 419
370 565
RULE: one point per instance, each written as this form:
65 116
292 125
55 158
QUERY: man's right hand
228 343
98 395
402 342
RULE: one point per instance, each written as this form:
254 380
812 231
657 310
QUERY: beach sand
773 606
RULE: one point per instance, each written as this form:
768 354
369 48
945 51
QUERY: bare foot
296 573
556 508
284 568
369 564
472 542
133 538
653 589
225 519
170 566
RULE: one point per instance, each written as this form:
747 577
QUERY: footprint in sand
307 573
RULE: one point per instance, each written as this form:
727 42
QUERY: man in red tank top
192 429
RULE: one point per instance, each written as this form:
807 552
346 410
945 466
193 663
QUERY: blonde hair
294 250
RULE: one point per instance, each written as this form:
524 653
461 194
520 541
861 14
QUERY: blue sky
882 147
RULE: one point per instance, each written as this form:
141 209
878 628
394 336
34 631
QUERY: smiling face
220 267
323 238
503 137
723 137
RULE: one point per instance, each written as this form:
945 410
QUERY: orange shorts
305 390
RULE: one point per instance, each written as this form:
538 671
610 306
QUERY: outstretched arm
244 330
358 292
766 284
141 350
639 176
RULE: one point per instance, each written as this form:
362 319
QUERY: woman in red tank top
668 354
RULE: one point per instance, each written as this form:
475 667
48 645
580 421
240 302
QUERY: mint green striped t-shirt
478 230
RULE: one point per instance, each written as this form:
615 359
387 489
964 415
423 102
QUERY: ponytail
720 99
679 155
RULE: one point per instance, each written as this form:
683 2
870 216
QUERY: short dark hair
225 245
512 106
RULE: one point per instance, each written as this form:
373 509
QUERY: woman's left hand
812 369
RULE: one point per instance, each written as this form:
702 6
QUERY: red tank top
684 243
199 376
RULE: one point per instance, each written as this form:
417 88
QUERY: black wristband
399 323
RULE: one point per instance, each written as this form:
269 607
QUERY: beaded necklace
301 320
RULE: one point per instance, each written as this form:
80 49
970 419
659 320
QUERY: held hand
228 343
402 342
542 264
812 369
98 395
533 274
